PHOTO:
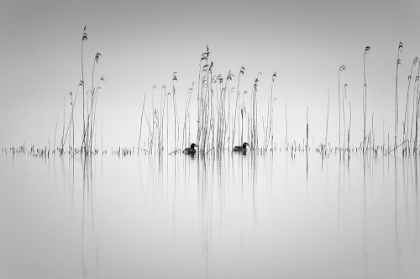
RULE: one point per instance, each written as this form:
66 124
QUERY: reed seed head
97 55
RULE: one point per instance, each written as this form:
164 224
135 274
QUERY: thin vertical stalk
406 124
340 69
141 122
348 134
328 116
84 38
241 71
367 49
400 47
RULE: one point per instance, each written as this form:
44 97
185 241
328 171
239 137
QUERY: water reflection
220 215
89 247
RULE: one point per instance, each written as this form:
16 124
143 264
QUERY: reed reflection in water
218 216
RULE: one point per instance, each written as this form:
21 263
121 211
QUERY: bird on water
241 148
191 149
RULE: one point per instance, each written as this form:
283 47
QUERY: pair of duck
191 149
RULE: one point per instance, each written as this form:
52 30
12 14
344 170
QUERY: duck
241 148
190 150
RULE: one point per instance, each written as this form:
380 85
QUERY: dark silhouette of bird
190 150
241 148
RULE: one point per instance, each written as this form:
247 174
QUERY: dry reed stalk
307 129
204 57
344 116
174 78
348 134
84 38
340 69
400 47
271 112
141 122
367 49
413 109
285 112
417 108
241 71
406 122
328 116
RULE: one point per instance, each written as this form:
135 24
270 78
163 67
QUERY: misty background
143 43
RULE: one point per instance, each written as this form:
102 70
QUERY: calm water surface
235 216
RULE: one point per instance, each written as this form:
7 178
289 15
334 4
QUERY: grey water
276 215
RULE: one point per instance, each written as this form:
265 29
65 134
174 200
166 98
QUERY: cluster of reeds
155 122
409 124
90 99
221 126
89 131
409 134
221 121
43 152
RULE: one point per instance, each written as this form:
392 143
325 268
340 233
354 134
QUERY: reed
206 81
243 112
417 108
328 116
84 38
93 105
271 113
163 96
406 122
141 122
400 47
73 103
226 120
174 78
207 108
373 133
64 123
254 115
307 129
340 69
269 126
152 117
383 136
348 133
204 57
228 124
241 72
56 124
413 111
344 116
185 137
89 107
285 112
167 120
367 49
219 124
70 127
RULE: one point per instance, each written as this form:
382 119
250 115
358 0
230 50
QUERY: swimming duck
190 150
241 148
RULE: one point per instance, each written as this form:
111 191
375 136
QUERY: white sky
143 42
